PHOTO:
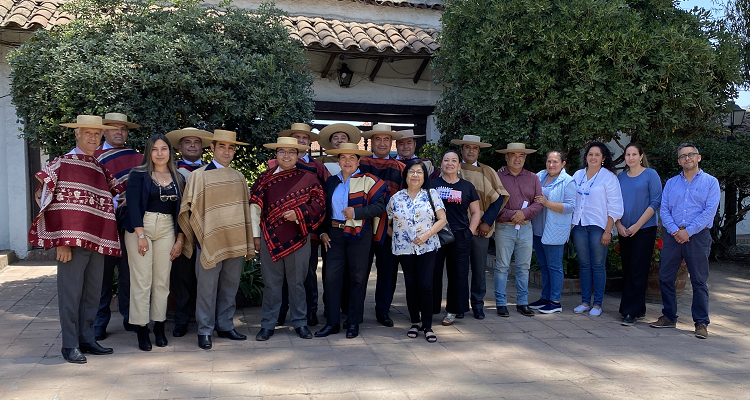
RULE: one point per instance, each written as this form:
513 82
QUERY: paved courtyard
552 356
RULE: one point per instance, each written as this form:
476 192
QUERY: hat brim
480 144
324 138
527 151
287 133
286 146
228 141
94 126
175 136
335 152
412 137
130 125
393 134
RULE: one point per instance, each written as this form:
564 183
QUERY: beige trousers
149 274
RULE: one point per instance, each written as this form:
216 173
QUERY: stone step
7 257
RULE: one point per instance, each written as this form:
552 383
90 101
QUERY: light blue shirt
691 204
305 158
340 198
217 164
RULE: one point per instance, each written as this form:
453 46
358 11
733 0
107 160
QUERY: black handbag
446 234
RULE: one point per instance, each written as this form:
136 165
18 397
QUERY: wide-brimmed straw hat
117 118
88 121
349 148
324 137
226 136
409 134
175 136
286 142
516 148
300 128
382 129
471 139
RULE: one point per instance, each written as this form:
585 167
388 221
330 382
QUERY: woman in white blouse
598 206
415 242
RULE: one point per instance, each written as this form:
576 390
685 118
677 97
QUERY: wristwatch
141 236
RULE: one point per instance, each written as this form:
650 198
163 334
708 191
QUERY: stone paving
552 356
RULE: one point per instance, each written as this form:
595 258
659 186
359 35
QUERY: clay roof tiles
315 33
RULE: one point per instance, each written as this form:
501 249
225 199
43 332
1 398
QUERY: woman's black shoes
144 342
160 340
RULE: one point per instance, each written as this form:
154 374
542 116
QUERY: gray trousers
216 294
295 267
479 247
79 286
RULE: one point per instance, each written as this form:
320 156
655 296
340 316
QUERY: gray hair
684 145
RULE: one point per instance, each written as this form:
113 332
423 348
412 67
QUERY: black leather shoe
72 355
129 327
160 339
282 318
384 320
479 314
503 311
460 315
179 330
525 310
100 333
94 348
144 341
231 334
328 330
353 331
204 342
312 319
303 332
346 324
264 334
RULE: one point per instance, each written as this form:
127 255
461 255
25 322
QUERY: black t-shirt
456 199
155 203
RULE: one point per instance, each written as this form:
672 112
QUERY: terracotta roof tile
313 32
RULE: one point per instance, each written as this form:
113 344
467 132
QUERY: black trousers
104 314
183 288
387 266
347 256
311 283
456 258
635 252
418 271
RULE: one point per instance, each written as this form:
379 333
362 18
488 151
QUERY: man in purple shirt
513 232
688 205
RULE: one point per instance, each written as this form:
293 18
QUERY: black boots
160 340
144 342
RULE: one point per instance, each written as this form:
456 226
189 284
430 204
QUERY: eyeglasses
166 197
688 155
287 153
416 172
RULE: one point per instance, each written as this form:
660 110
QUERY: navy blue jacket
136 196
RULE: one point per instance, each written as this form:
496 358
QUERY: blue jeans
550 264
592 257
508 241
695 253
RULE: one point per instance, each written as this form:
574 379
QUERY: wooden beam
421 69
376 69
371 108
328 66
384 118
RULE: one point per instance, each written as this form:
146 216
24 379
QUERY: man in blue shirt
688 206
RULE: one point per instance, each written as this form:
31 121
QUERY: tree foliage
557 74
167 66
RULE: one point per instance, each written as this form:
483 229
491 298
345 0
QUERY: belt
514 224
338 224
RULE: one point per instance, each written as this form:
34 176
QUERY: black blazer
375 209
136 196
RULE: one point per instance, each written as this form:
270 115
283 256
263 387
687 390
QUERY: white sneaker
581 309
595 312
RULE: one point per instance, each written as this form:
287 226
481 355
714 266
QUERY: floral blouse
412 218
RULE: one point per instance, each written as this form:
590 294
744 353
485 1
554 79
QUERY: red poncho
77 208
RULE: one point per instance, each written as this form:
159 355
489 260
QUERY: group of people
186 227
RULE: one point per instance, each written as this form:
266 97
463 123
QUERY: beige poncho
487 183
215 211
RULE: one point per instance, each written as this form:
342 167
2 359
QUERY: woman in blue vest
552 229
